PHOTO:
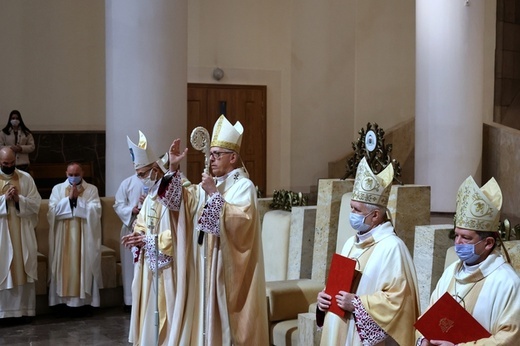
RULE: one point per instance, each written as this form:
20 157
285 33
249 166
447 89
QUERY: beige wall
501 152
251 42
52 63
329 67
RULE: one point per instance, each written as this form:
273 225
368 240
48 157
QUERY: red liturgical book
448 320
341 276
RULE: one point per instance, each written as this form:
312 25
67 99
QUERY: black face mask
8 170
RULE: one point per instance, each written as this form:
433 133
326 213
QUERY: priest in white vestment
383 307
74 241
19 205
128 202
481 280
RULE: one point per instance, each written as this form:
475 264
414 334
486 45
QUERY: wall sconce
218 73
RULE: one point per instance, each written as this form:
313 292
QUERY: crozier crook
200 141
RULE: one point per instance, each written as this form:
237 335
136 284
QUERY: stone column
409 206
330 192
301 242
449 96
146 79
431 244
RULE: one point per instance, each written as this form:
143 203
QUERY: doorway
244 103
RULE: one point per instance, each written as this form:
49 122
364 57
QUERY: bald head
7 160
7 154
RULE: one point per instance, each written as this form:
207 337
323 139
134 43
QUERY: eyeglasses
217 154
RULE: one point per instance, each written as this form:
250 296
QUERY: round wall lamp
218 73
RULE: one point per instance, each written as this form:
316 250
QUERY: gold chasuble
69 265
235 308
175 302
14 226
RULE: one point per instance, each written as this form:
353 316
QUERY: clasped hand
16 148
74 192
12 194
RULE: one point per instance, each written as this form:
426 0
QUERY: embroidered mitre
372 188
478 209
226 135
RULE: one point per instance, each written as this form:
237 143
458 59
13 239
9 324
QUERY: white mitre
226 135
372 188
141 153
478 209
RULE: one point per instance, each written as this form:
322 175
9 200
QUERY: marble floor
101 327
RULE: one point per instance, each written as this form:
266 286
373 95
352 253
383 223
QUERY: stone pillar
263 207
449 93
301 242
431 244
308 333
330 192
409 206
146 79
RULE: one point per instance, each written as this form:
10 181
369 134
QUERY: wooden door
244 103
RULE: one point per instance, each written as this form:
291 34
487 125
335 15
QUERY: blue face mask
74 180
466 252
357 221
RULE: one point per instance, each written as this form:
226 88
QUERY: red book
448 320
341 276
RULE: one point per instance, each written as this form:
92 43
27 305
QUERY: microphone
145 192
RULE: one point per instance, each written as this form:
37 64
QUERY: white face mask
15 122
148 182
357 221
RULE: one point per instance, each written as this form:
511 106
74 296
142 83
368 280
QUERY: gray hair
372 207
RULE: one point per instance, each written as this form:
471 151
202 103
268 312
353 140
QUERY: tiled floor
105 327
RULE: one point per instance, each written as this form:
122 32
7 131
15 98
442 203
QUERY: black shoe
127 308
26 319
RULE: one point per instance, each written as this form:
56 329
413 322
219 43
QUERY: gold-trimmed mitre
372 188
141 153
478 209
226 135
